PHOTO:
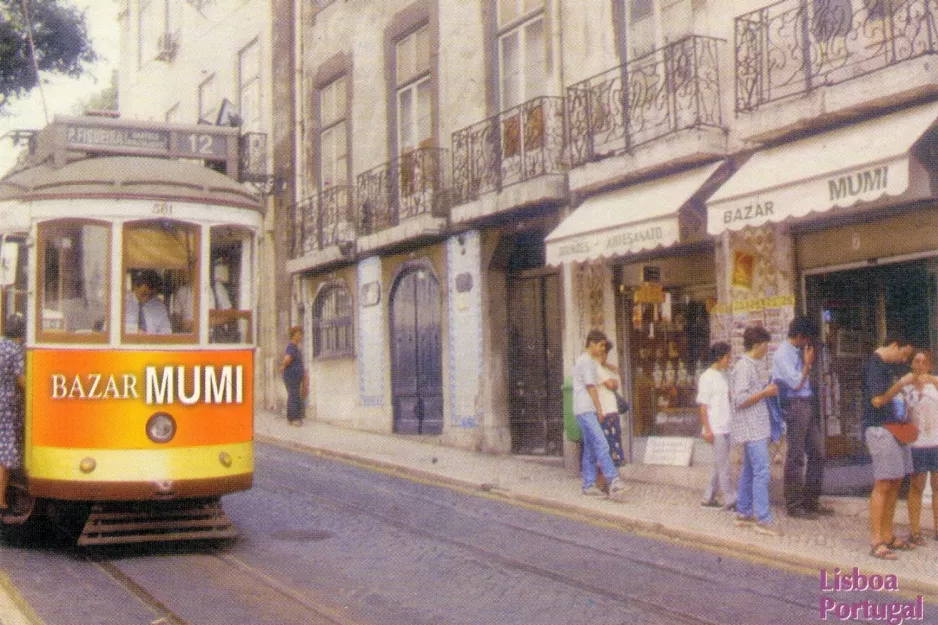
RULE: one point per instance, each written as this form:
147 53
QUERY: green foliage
60 33
104 100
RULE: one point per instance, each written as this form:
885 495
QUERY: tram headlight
161 427
225 459
87 465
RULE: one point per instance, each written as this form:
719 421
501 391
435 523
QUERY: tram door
416 354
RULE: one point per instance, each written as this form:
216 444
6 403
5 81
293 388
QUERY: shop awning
857 164
628 220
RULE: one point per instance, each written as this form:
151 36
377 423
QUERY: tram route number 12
202 144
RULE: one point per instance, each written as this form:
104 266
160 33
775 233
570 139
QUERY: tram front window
160 269
74 263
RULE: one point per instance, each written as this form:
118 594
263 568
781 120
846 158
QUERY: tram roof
122 177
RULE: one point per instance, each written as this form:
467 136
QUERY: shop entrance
535 351
856 310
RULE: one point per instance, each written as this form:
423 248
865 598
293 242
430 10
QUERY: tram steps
123 523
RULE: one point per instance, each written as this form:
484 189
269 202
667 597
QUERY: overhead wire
32 54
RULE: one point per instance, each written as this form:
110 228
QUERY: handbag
905 432
304 387
621 405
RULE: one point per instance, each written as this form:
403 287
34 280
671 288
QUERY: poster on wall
729 322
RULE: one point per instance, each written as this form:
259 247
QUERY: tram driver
145 311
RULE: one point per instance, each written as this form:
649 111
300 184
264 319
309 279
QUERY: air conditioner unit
166 46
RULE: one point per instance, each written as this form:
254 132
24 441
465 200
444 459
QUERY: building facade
472 186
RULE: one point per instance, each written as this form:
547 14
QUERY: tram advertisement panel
99 399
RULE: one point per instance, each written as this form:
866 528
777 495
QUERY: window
74 258
414 111
229 310
522 62
511 10
641 9
413 91
249 87
208 100
333 142
160 281
150 26
14 275
332 323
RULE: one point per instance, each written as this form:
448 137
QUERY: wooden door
536 367
416 354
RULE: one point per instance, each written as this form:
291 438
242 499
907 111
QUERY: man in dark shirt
891 461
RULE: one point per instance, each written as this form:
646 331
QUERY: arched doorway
416 353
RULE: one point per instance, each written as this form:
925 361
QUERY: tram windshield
164 293
73 264
161 265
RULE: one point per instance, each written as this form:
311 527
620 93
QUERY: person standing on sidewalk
891 461
750 427
921 399
294 377
713 397
609 383
804 464
586 407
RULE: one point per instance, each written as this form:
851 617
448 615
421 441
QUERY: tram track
314 613
520 565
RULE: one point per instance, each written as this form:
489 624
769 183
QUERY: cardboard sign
670 450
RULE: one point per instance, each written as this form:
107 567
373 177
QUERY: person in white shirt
586 407
609 383
713 397
921 398
145 312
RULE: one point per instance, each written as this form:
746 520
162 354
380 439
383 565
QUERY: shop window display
669 344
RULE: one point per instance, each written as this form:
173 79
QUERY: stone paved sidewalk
654 501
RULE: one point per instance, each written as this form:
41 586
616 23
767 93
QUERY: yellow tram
130 251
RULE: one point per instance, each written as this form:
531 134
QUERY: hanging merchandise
637 317
666 308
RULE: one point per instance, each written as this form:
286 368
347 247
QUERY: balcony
403 199
794 47
322 229
672 89
519 145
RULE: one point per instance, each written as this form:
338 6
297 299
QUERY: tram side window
160 269
74 263
229 315
13 276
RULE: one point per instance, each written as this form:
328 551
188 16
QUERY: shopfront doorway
535 353
856 309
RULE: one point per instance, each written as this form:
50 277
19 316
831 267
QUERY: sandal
883 552
897 544
917 539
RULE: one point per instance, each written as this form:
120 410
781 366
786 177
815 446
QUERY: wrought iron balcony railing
794 46
670 89
518 144
323 220
410 185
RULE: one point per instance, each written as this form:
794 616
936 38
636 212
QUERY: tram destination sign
210 143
